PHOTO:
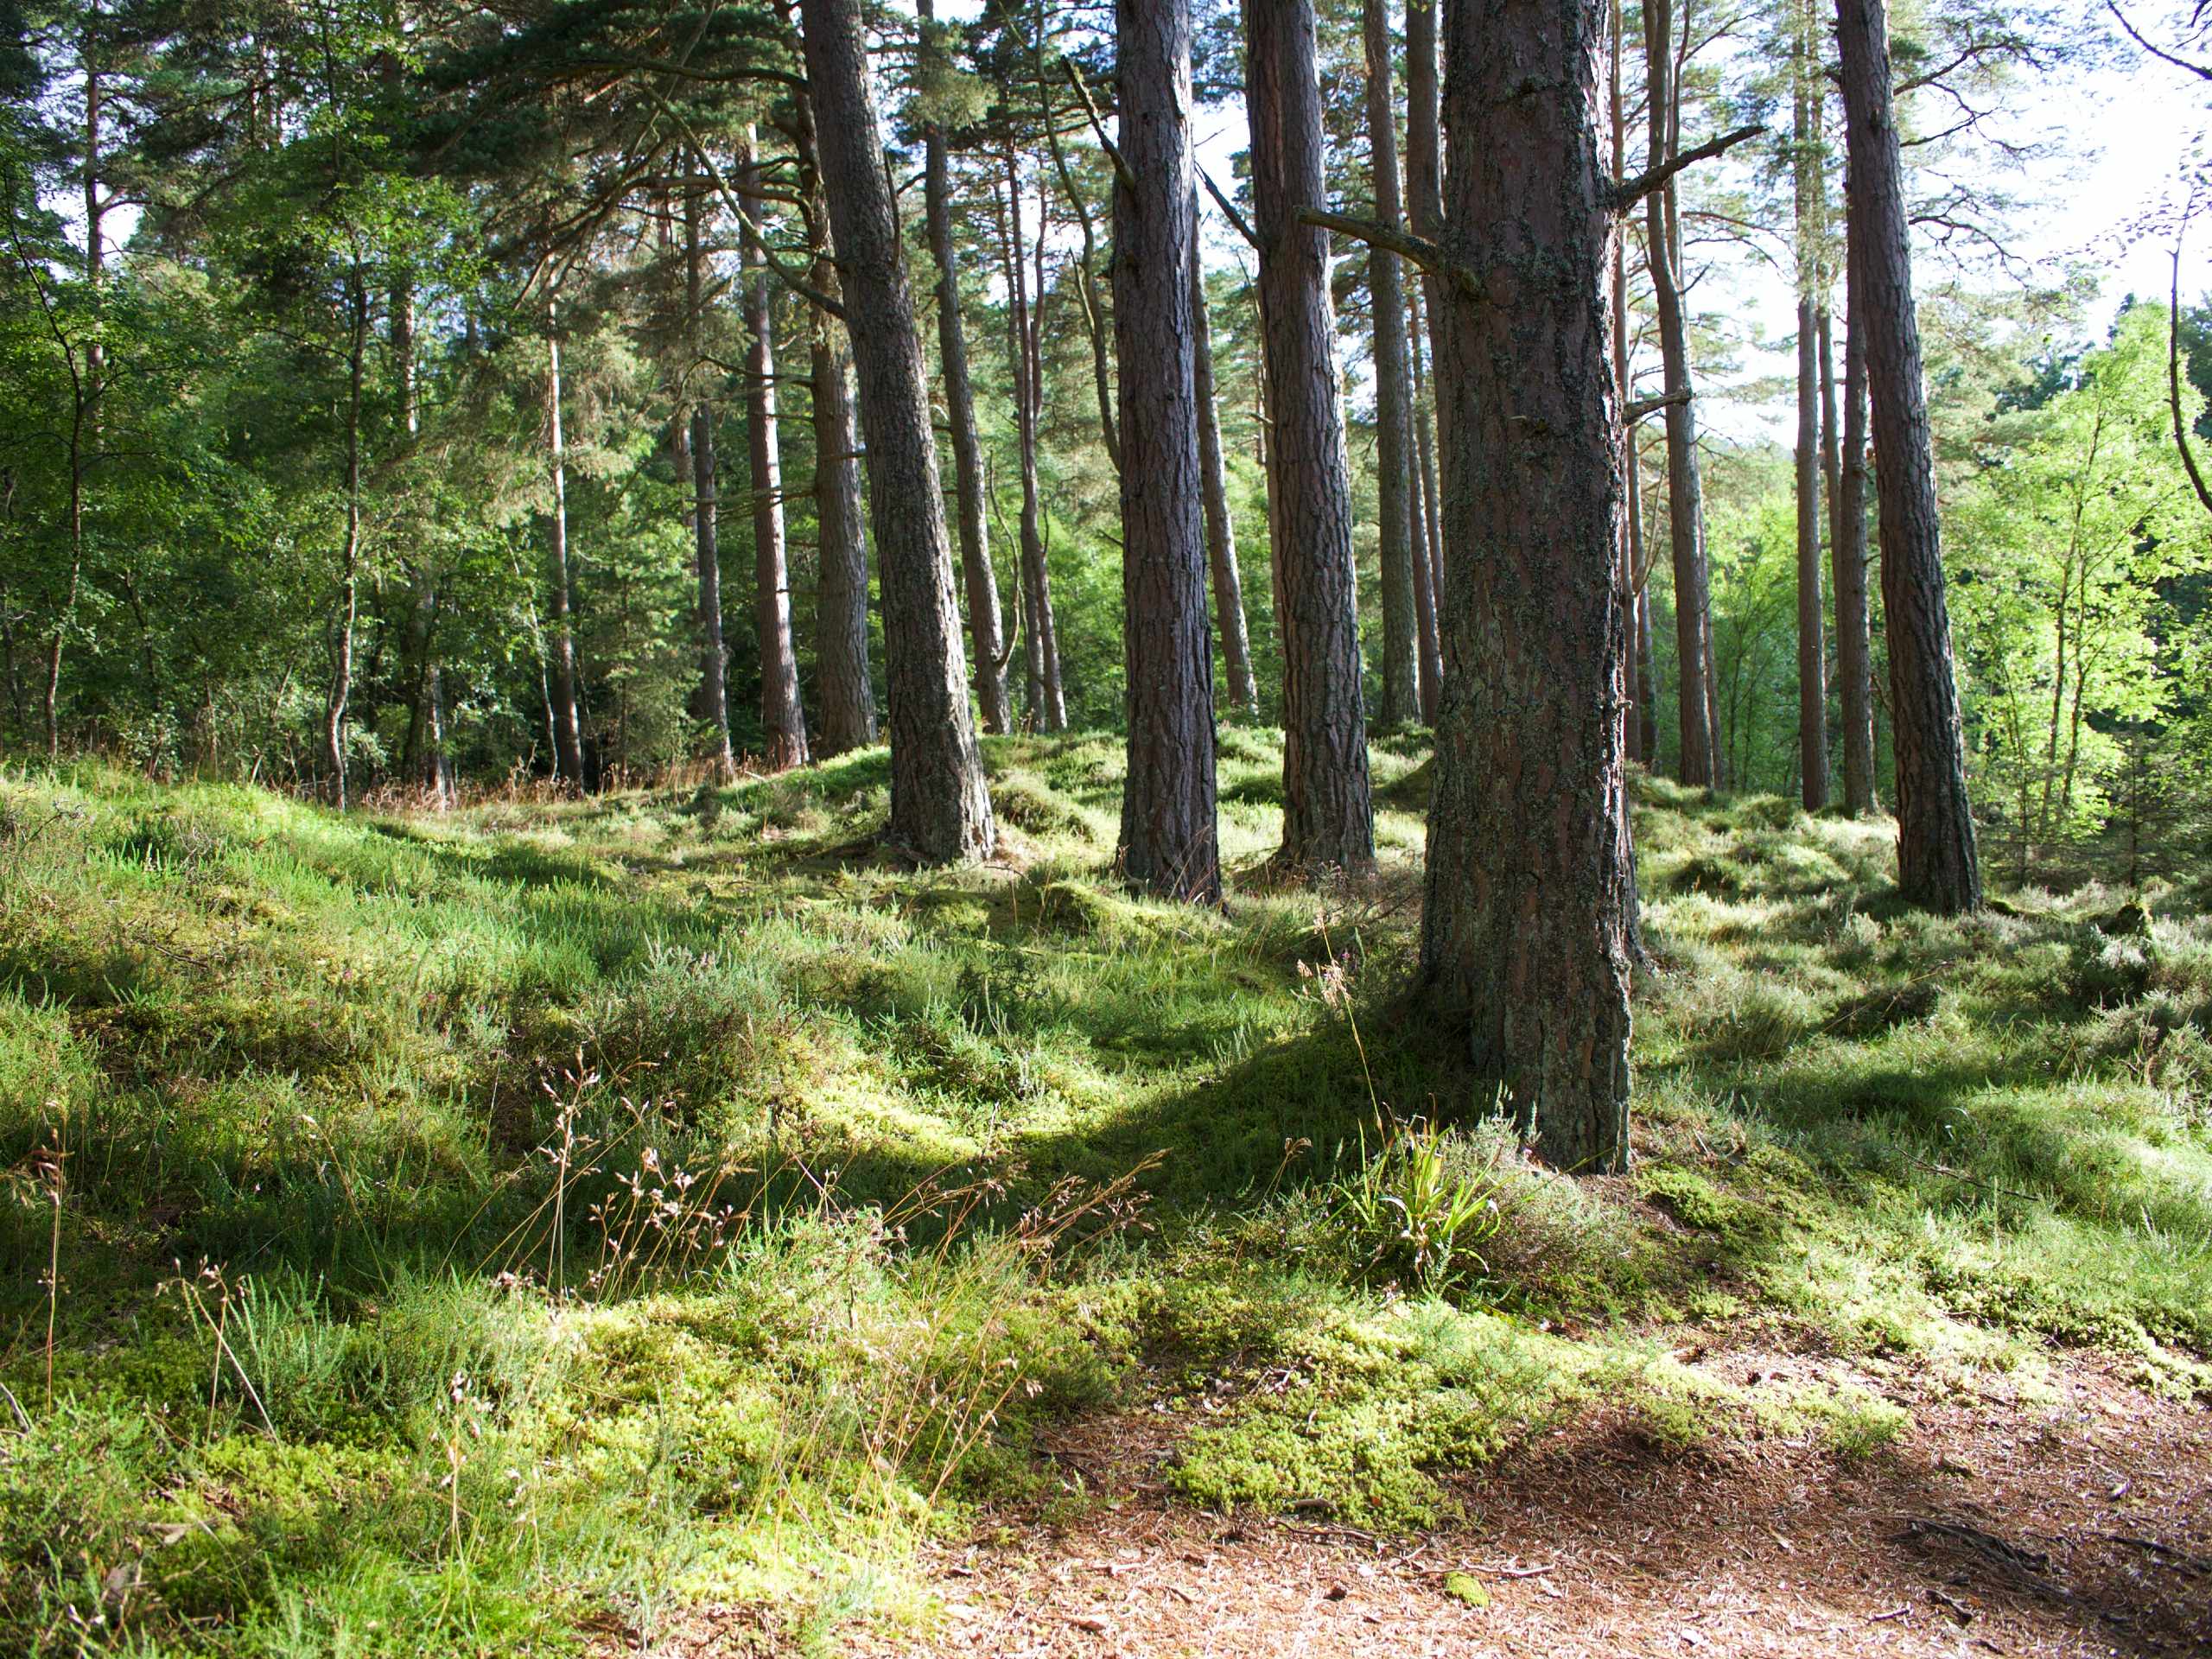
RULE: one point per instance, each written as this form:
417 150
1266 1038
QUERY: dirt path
2083 1527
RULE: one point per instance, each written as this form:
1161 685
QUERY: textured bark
1854 670
940 810
1425 210
1936 866
1527 926
696 458
1631 521
1394 398
1328 810
783 722
567 726
1685 488
1169 844
349 558
1221 529
844 696
1425 578
1812 645
979 580
1047 701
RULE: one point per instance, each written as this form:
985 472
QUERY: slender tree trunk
568 726
984 627
1048 701
1328 810
349 559
697 457
1220 529
1527 931
1936 866
1685 492
1394 407
940 809
1646 669
1094 310
782 720
1812 645
1631 551
1853 648
1169 842
1426 577
1425 208
844 694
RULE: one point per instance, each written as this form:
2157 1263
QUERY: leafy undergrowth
470 1230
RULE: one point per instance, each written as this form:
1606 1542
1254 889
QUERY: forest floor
663 1224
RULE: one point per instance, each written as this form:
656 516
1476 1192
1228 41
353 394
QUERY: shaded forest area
807 808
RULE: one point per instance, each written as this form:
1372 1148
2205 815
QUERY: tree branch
1389 238
1629 192
1222 201
2163 56
1642 407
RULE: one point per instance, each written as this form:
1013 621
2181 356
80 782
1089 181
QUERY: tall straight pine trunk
568 724
1812 643
1527 926
940 809
1937 868
978 578
1169 842
1685 486
783 722
1328 808
696 455
1221 527
1394 397
1854 670
844 693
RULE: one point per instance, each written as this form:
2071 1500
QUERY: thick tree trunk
1047 701
1527 930
1854 670
696 457
1169 844
981 580
783 722
1394 398
567 726
1685 488
1936 865
1631 553
1328 810
1221 530
940 809
844 694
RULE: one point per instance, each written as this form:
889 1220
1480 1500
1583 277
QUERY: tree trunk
1394 406
1047 701
1427 579
783 720
940 809
568 726
1328 811
1812 645
1631 549
984 627
1169 844
1094 320
1936 866
844 695
697 458
1526 933
1854 670
1646 669
349 560
1685 489
1213 481
1425 207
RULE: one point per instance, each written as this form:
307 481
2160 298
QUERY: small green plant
1415 1215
